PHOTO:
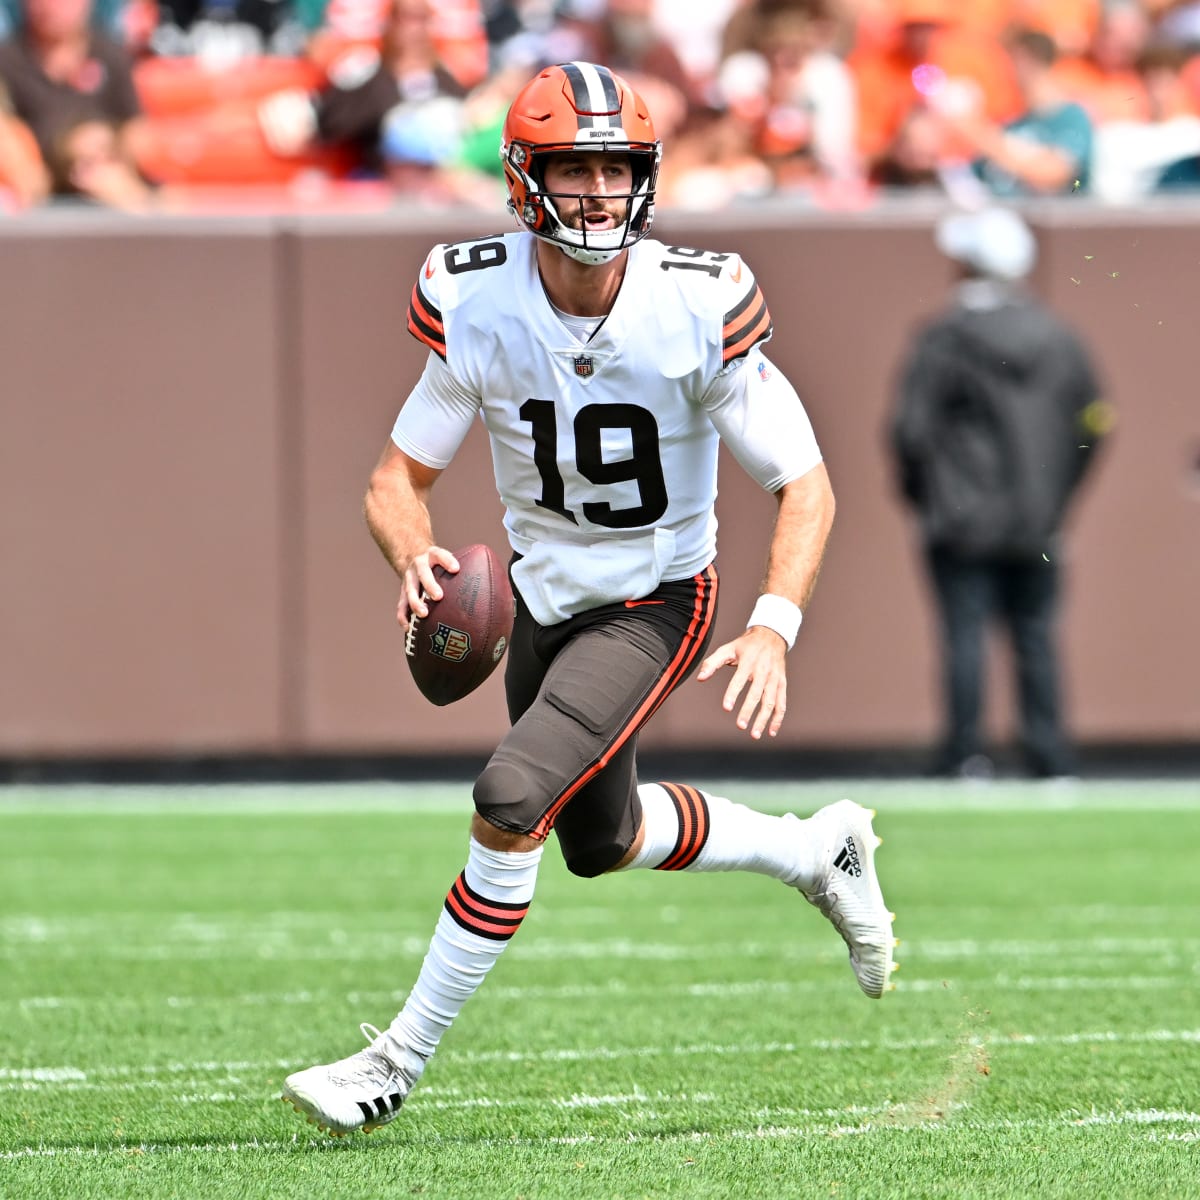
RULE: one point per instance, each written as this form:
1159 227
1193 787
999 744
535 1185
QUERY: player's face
595 177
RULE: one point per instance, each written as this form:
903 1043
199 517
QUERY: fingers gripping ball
454 649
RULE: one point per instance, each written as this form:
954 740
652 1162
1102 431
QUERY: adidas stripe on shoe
848 893
363 1091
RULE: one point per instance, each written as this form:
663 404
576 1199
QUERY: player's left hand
759 660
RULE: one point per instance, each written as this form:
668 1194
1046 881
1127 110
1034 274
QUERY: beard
573 211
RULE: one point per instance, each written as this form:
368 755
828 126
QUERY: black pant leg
1029 595
964 592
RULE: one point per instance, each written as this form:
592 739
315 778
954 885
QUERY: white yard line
718 991
291 934
197 1074
890 1121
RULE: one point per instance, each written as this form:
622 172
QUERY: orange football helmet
579 106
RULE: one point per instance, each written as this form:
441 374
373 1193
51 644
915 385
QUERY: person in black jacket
998 418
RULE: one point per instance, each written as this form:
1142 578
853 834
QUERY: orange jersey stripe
752 302
744 343
429 315
425 323
703 613
438 348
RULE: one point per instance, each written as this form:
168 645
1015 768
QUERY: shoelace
395 1071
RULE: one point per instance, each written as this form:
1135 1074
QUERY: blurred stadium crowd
191 105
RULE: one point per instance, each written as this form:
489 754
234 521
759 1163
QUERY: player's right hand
420 583
760 671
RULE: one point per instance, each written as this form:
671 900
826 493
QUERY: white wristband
777 613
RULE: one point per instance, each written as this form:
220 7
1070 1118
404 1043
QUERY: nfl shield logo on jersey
583 365
449 643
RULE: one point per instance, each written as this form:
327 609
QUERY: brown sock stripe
489 918
692 811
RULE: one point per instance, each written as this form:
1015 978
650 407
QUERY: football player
606 367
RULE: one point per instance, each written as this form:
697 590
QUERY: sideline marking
454 800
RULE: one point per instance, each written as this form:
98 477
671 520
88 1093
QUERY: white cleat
363 1091
848 893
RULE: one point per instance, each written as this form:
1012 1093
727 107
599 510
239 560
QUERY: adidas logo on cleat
384 1107
847 859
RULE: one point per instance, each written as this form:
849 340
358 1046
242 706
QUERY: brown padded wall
215 587
1132 634
139 488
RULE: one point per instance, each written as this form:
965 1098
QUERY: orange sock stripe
704 611
694 827
488 918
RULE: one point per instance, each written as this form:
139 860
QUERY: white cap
993 241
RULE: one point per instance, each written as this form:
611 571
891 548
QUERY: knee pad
509 797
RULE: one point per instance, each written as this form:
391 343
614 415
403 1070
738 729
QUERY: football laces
410 636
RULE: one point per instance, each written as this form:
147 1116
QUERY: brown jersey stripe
737 314
704 611
742 331
489 918
694 827
425 322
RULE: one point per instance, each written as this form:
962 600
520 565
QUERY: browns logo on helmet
579 106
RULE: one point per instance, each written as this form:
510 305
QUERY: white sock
483 910
686 829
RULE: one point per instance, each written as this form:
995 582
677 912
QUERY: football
454 649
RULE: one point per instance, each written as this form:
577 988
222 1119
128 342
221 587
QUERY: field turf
168 955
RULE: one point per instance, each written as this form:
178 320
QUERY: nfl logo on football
583 365
449 643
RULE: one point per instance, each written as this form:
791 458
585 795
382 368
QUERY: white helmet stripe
596 97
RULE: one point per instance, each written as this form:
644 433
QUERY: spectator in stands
87 164
928 57
797 95
397 106
223 32
622 35
914 158
24 180
1073 24
1176 21
1106 79
61 73
111 17
997 418
1133 157
456 27
697 31
1046 150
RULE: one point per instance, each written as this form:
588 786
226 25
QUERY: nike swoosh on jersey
429 267
736 276
636 603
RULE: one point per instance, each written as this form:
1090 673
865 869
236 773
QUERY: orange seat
226 146
171 86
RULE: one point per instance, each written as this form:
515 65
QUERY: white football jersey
604 451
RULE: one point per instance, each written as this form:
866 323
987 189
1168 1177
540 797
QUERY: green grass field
168 955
